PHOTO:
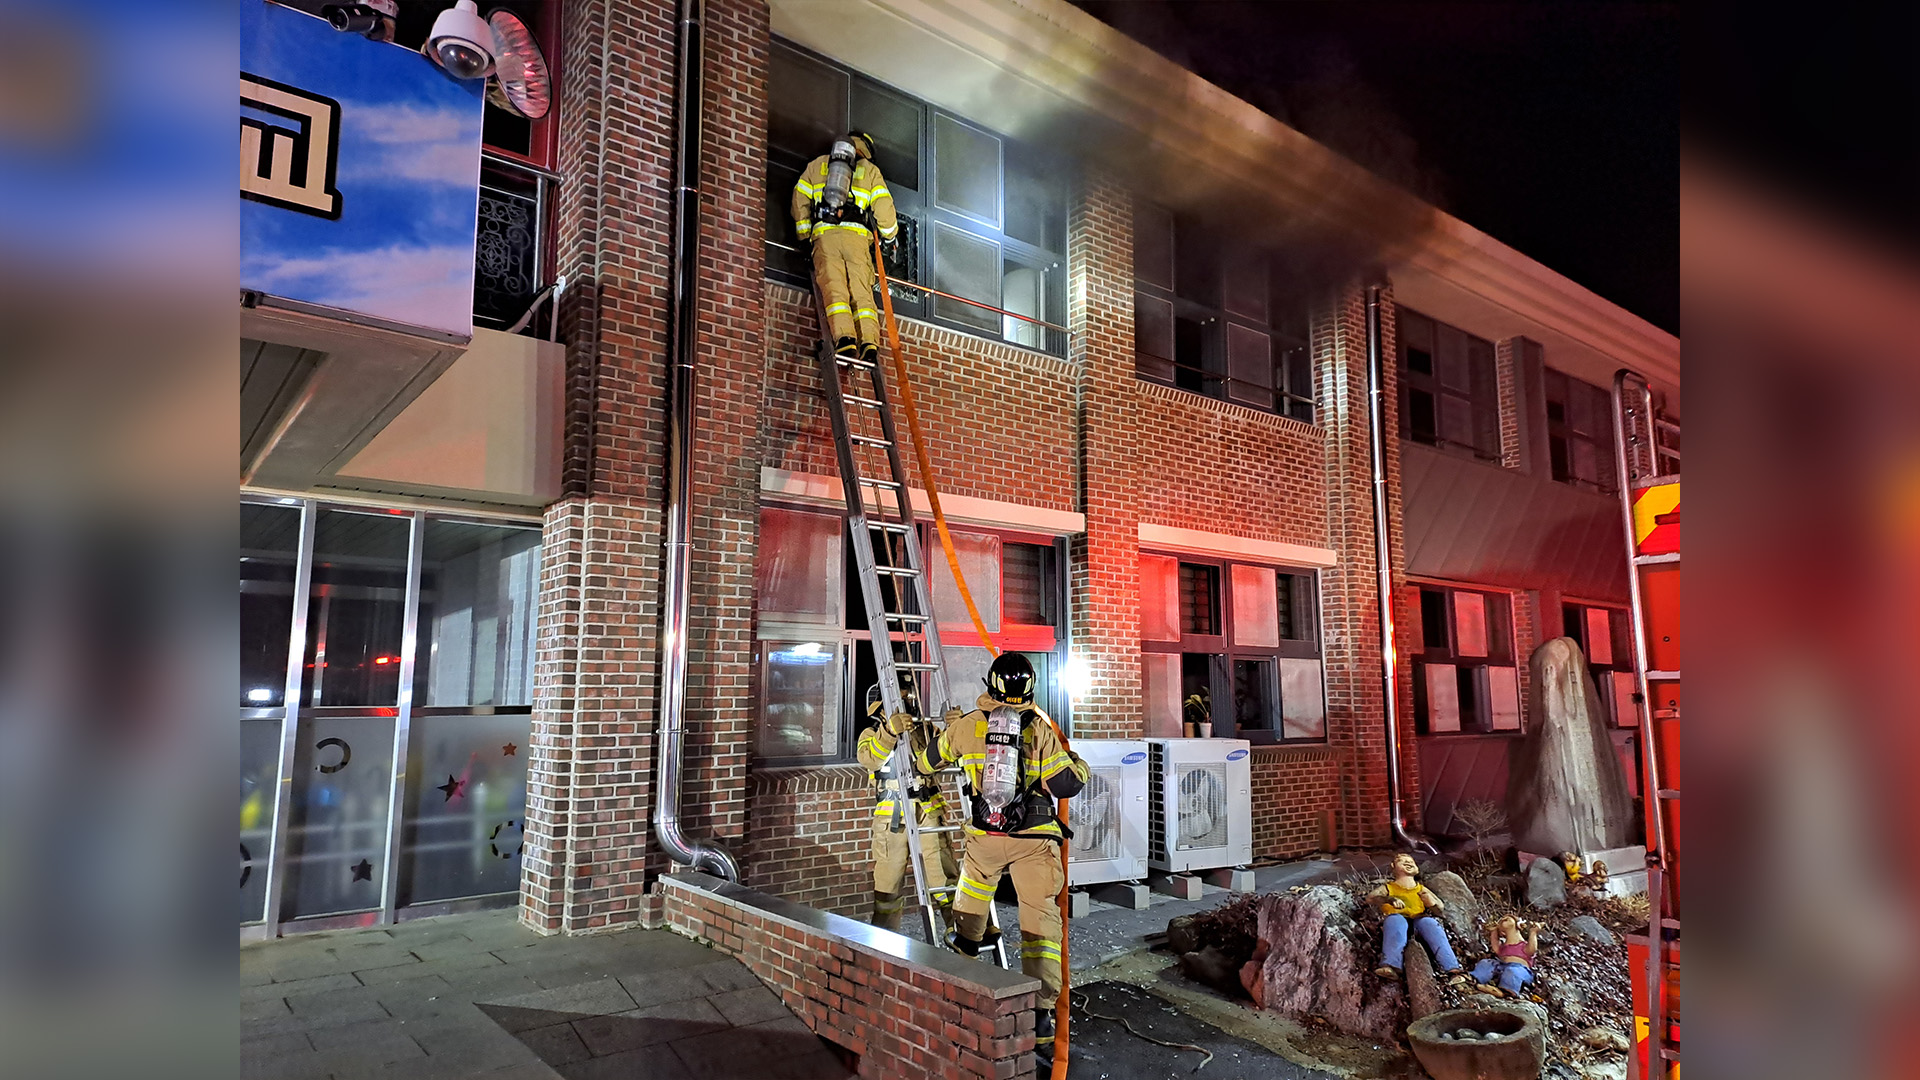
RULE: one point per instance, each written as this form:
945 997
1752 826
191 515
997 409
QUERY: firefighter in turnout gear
1015 767
890 854
841 196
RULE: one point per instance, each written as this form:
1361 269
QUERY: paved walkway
479 996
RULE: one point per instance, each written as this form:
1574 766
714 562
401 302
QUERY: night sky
1552 127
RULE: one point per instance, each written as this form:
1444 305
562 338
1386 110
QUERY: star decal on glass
452 787
362 870
508 750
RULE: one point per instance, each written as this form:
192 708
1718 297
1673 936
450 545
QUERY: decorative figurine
1571 864
1597 879
1406 904
1510 968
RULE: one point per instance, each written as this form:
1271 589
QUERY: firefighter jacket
874 749
869 200
1048 769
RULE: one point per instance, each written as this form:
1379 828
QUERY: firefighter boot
886 910
870 353
847 347
1043 1037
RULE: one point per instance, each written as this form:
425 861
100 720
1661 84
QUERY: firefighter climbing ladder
1647 467
896 592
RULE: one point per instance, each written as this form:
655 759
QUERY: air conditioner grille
1203 806
1156 801
1096 816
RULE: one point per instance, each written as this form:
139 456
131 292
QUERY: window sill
769 778
1181 396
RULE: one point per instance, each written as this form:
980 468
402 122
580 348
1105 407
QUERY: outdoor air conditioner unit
1109 816
1201 796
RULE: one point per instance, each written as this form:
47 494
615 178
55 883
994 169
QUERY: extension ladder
1647 468
896 592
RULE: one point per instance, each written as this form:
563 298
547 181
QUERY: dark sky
1553 127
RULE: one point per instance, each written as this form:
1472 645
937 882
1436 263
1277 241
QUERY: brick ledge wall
909 1010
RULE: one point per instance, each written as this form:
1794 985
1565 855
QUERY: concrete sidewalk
480 996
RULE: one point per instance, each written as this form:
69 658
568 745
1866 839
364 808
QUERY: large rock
1566 790
1591 927
1423 990
1546 884
1320 963
1461 915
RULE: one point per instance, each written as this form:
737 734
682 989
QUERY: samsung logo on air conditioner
1236 755
1134 758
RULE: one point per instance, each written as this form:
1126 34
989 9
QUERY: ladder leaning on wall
895 591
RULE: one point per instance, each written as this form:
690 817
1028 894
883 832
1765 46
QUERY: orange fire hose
1062 1010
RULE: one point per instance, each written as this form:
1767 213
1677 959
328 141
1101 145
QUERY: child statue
1409 906
1511 966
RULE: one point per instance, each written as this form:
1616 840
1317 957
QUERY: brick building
1162 488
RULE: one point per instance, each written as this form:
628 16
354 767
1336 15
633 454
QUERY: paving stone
738 1052
335 1007
383 956
454 949
477 1045
661 987
750 1006
539 1070
727 975
255 975
514 1018
645 1027
260 1027
600 997
365 1033
266 1060
652 1063
556 1044
386 976
294 969
275 991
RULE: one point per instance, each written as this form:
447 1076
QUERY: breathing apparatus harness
836 203
1003 803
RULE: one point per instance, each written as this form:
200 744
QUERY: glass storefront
386 689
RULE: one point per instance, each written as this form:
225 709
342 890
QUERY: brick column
588 853
1106 560
1356 711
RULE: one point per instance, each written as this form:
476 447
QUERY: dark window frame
1561 391
1220 651
1199 308
924 217
1421 380
1471 671
851 636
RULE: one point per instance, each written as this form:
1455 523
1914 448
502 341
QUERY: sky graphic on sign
407 171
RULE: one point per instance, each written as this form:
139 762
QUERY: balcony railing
511 264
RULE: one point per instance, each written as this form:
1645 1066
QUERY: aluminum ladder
1646 458
902 605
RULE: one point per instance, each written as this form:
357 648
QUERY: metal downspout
670 743
1382 558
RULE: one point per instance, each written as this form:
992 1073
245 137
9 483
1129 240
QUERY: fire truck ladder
896 592
1646 456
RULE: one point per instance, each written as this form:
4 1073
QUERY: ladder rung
1669 793
869 440
905 665
897 571
1655 560
939 889
901 616
1663 676
899 527
871 481
941 829
858 400
853 362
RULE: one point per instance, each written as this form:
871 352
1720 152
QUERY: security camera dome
462 42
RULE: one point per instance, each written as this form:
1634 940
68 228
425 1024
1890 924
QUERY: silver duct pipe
1382 559
670 742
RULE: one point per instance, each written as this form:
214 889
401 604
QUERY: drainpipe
670 743
1382 559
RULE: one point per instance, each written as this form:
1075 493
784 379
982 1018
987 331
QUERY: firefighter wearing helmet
1016 766
838 199
875 750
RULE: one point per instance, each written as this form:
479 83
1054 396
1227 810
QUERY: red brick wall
589 791
808 838
1230 469
998 418
906 1021
1292 787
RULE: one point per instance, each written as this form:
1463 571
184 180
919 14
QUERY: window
1210 316
1234 643
1464 678
1605 636
982 217
1580 433
814 645
1448 396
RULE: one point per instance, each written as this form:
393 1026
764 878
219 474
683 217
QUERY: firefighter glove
899 722
890 248
952 717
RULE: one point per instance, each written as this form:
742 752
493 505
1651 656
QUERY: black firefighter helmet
1010 679
909 700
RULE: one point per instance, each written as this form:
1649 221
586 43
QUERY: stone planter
1511 1045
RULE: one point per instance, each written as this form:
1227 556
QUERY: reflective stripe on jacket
1043 759
869 195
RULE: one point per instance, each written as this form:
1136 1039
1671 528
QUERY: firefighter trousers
1034 865
890 858
843 271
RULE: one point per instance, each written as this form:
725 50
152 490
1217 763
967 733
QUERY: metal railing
510 275
931 291
1278 395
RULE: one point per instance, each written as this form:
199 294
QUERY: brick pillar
1106 560
1523 406
588 854
1356 711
